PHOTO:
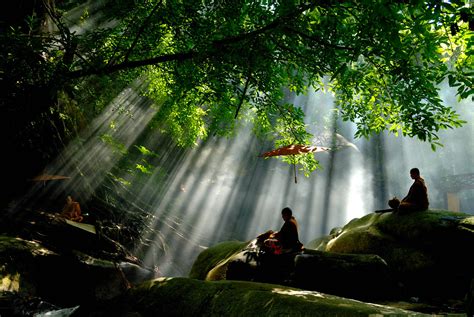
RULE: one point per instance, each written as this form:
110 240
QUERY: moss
358 240
411 243
189 297
419 248
211 257
318 243
428 229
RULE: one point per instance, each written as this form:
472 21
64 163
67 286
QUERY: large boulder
428 252
420 255
191 297
359 276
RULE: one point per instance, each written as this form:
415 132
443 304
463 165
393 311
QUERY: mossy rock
214 259
428 251
190 297
358 276
426 230
402 238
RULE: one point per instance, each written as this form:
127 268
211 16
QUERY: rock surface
190 297
421 257
412 265
55 263
31 269
427 252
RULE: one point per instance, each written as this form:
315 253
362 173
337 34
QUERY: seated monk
72 210
417 197
286 240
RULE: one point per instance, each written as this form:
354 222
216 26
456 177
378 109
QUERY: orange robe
417 197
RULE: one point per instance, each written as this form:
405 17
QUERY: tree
210 62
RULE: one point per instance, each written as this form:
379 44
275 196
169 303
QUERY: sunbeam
222 190
88 159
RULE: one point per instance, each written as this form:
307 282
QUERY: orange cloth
285 240
72 210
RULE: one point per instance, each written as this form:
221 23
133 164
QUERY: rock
191 297
29 268
470 300
358 276
211 264
15 304
63 236
252 265
426 251
379 257
136 274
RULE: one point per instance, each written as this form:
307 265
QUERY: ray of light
87 160
221 190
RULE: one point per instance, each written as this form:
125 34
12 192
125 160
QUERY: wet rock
30 269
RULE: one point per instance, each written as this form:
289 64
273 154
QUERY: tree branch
132 64
140 31
242 98
318 40
215 45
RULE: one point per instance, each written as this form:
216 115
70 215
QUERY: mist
223 190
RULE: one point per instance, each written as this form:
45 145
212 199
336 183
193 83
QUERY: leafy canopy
209 62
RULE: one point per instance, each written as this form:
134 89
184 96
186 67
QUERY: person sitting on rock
417 197
286 240
72 210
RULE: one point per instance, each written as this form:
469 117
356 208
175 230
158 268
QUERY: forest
154 115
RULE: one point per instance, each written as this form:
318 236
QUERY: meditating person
417 197
286 240
72 210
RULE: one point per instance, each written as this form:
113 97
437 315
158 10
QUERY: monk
286 240
417 197
72 210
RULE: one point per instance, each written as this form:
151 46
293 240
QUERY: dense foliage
207 63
